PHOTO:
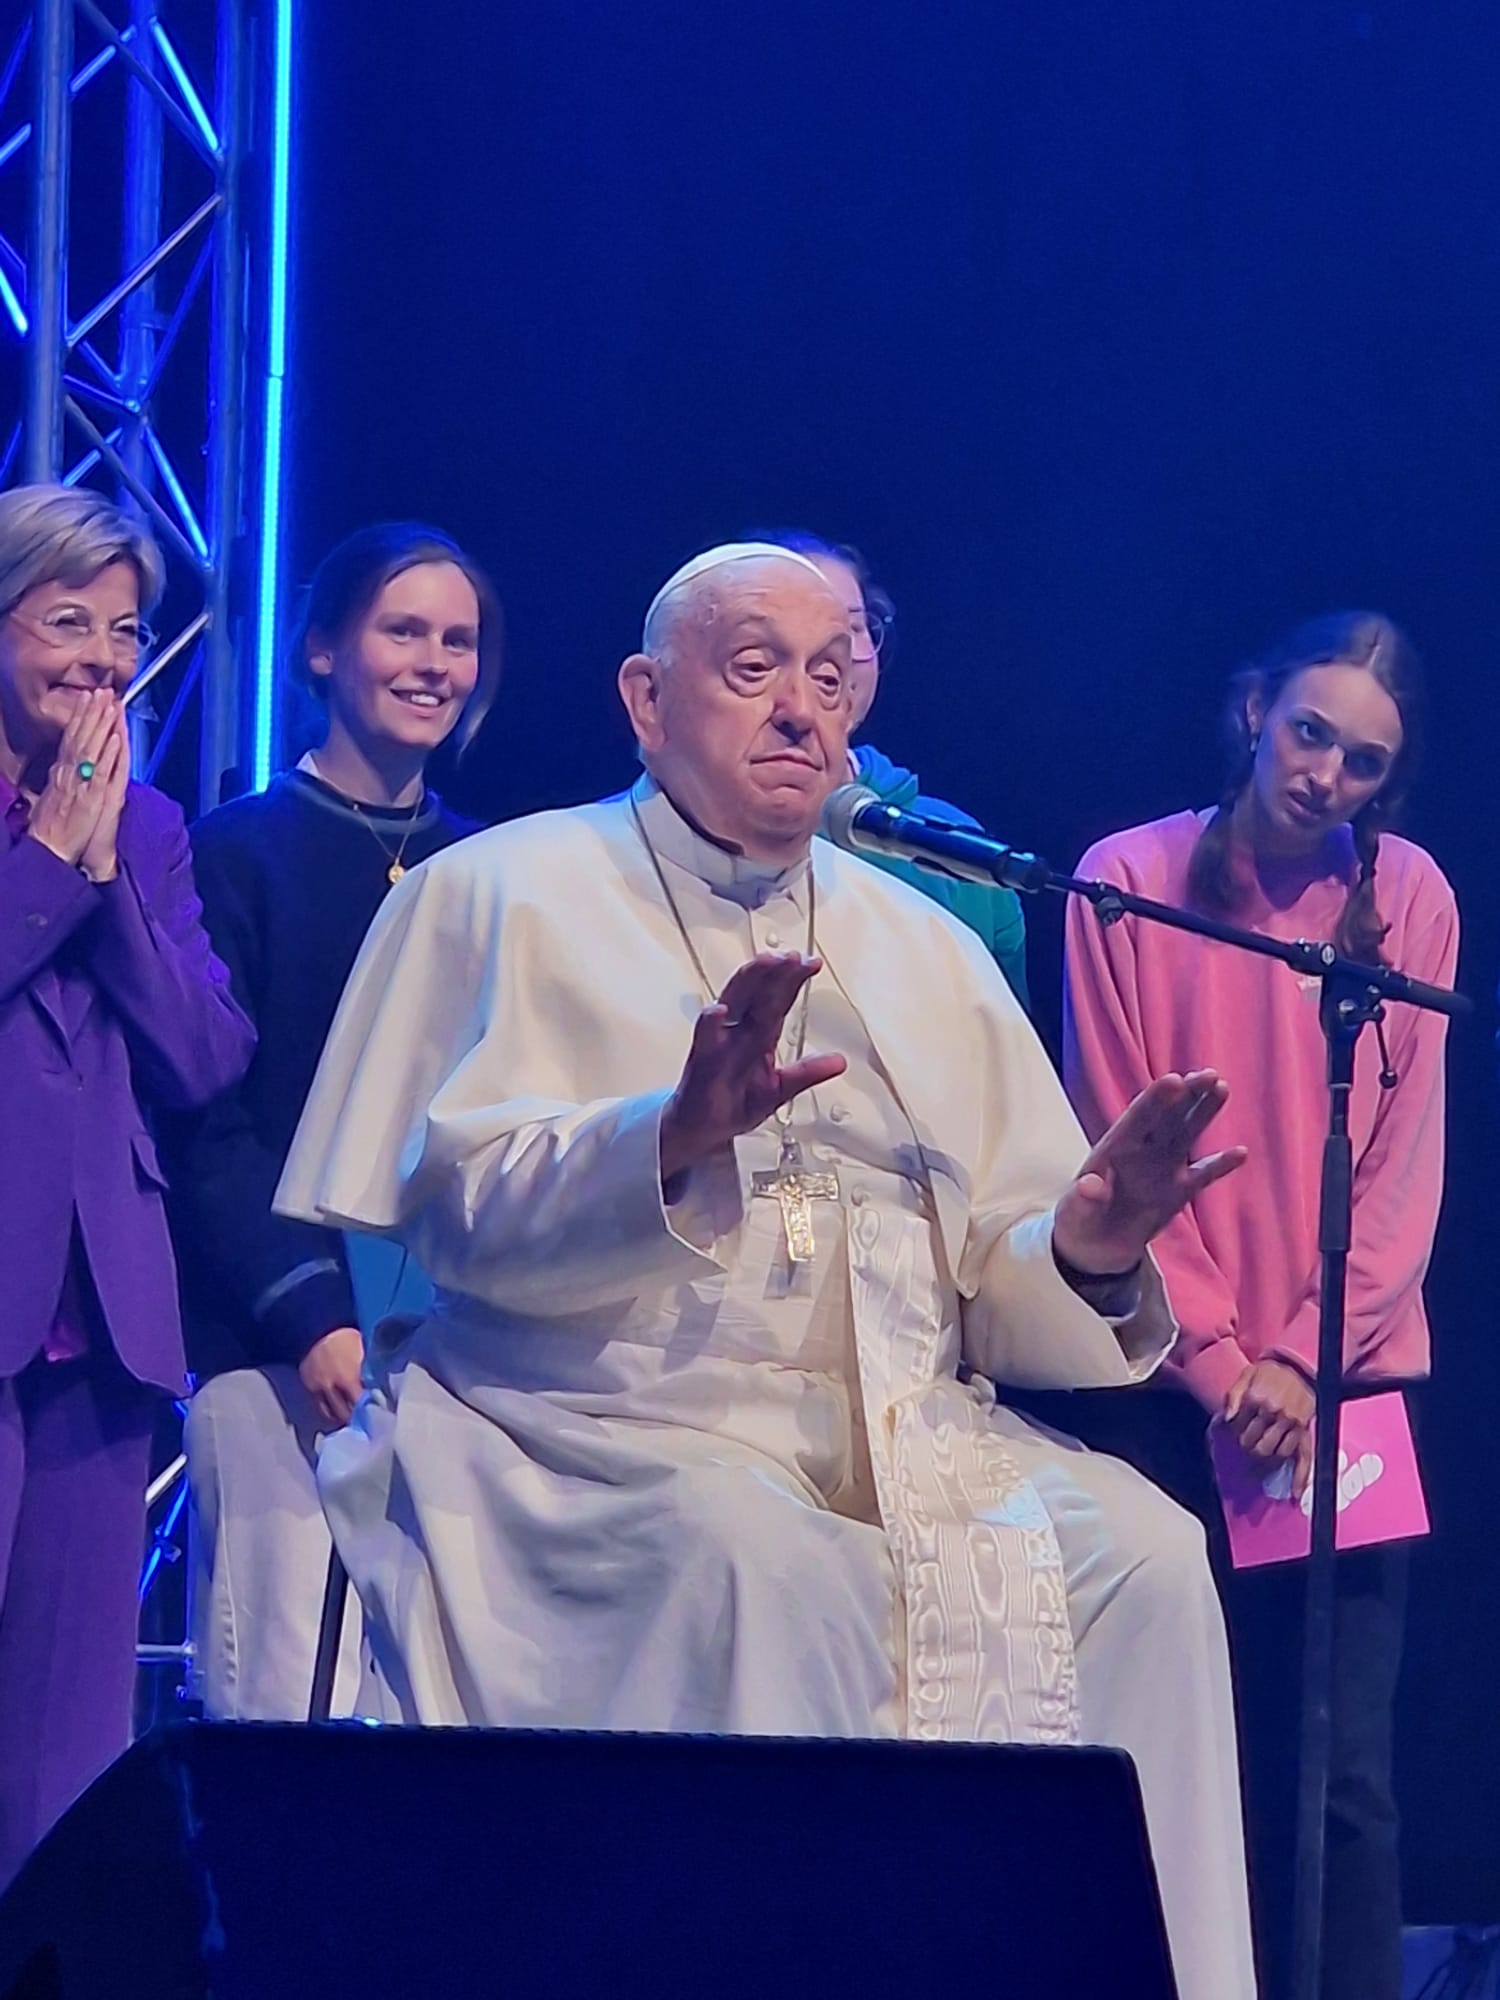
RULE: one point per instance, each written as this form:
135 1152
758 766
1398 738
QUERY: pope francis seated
745 1185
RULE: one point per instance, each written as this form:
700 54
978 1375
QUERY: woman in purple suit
112 1005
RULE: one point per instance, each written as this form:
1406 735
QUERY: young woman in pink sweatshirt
1323 730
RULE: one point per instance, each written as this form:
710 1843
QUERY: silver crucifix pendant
794 1189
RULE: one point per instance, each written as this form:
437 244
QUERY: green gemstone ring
85 770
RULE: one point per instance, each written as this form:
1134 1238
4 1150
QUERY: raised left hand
1142 1172
99 860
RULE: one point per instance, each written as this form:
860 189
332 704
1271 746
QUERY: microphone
860 821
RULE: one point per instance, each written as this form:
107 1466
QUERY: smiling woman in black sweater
397 650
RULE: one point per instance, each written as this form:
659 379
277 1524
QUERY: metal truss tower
144 185
143 273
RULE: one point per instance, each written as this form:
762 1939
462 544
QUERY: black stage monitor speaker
253 1861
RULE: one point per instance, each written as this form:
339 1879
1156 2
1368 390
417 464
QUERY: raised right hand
67 814
731 1081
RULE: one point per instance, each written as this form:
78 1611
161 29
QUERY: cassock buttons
838 1112
35 920
859 1196
773 939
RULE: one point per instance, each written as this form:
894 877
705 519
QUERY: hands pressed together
78 817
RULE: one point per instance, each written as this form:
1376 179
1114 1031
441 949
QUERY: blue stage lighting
268 580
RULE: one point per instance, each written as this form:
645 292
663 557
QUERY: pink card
1380 1495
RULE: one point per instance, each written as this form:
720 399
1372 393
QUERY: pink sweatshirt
1242 1266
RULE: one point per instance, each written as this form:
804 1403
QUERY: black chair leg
330 1631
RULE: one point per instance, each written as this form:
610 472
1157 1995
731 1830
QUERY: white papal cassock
636 1470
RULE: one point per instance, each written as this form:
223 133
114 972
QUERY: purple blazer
111 1004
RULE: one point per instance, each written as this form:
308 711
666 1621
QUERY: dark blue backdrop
1120 336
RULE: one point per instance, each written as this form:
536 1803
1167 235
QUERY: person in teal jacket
992 913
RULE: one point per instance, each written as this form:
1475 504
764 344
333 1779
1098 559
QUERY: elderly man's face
747 728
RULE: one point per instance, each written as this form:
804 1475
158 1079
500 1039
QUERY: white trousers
1153 1679
536 1568
260 1548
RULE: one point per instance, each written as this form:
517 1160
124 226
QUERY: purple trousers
75 1440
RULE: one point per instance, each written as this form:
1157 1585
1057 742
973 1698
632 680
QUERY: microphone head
839 811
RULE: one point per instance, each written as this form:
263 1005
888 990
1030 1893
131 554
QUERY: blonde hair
68 534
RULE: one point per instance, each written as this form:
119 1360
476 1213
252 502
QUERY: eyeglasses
69 630
871 630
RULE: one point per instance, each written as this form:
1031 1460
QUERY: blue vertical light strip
268 583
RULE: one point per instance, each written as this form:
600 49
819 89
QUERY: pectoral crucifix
794 1189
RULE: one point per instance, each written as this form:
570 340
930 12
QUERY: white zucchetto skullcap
726 552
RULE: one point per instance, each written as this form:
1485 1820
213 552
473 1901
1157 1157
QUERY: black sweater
290 880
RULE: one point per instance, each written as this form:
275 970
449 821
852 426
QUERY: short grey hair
68 534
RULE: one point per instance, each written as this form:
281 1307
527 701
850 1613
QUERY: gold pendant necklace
359 808
397 868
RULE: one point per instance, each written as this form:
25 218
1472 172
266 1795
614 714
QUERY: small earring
1254 741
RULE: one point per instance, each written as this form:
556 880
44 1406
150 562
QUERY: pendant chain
360 810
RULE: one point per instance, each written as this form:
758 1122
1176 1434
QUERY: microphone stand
1353 994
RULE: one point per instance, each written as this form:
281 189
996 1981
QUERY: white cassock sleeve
415 1127
1024 1326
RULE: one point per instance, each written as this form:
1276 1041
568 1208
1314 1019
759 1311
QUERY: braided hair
1345 638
